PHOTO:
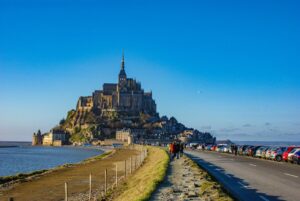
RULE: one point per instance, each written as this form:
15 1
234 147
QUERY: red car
286 153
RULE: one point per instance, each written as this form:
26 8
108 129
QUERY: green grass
145 180
20 176
99 157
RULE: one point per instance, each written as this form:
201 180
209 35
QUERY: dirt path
180 184
51 185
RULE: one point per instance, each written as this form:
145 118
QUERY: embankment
143 183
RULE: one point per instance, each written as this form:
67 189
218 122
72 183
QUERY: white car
292 153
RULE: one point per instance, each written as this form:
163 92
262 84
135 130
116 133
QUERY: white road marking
291 175
245 186
264 198
252 164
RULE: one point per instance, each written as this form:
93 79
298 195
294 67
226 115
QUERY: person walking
172 150
177 149
181 149
169 149
235 149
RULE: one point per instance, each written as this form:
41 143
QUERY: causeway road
251 179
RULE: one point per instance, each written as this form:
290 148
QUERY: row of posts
133 166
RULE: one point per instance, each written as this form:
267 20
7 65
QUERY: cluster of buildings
125 97
52 138
122 104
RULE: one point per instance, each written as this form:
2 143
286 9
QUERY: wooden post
66 191
105 179
10 199
116 174
130 165
134 163
90 186
125 168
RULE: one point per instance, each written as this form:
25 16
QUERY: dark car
241 149
276 154
252 150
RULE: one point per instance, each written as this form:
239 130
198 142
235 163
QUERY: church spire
123 61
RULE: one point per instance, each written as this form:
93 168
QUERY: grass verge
143 183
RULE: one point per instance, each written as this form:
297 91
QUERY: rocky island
118 110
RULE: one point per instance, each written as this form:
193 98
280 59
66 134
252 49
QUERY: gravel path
180 183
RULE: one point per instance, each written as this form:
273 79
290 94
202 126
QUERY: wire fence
113 177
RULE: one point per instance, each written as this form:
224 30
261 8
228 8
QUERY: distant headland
118 111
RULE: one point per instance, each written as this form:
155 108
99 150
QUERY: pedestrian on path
172 150
181 149
177 149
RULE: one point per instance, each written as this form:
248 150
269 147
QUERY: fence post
90 187
116 174
134 163
130 165
105 179
125 168
66 191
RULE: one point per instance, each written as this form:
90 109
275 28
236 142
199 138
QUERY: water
25 158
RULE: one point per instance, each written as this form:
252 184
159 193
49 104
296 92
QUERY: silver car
276 153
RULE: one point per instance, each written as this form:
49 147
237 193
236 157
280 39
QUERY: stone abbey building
125 97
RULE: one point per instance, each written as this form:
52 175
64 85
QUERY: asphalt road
249 178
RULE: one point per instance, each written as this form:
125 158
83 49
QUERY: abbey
125 97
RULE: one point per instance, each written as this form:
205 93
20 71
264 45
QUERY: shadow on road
237 187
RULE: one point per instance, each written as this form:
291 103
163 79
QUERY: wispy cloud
268 124
229 129
247 125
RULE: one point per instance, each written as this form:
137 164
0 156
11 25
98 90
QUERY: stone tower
122 74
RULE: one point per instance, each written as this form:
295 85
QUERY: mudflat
50 186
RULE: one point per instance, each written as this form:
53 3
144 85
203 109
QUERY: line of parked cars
277 153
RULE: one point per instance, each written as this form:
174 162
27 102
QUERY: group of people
176 149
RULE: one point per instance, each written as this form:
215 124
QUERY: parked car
259 151
241 149
296 157
269 152
208 147
292 153
248 150
219 148
286 153
227 149
265 151
252 150
213 148
276 154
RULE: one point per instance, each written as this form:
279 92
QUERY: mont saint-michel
117 111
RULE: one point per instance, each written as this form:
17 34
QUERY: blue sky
228 67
